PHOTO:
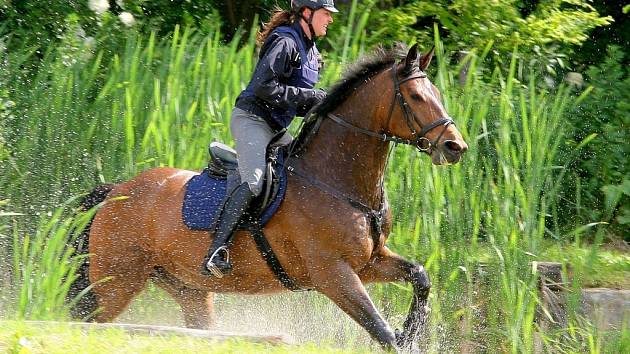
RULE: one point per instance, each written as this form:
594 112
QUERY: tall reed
480 223
44 266
157 103
160 102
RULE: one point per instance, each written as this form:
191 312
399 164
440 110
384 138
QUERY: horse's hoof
401 340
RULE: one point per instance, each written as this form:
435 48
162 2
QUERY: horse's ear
425 60
412 57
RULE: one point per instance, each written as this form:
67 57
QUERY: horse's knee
420 280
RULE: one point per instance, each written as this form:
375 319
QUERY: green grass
20 337
44 265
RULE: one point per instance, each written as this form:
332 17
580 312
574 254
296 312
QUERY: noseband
419 140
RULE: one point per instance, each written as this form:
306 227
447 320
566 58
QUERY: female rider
281 88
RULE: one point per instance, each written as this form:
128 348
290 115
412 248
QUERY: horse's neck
350 162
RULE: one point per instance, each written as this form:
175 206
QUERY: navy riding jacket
282 84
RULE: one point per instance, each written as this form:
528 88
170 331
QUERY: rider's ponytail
280 17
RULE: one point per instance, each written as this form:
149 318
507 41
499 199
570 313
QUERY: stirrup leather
213 268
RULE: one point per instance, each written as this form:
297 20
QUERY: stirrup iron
213 268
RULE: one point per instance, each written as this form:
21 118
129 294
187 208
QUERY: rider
281 88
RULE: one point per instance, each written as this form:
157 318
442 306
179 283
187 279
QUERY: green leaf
585 141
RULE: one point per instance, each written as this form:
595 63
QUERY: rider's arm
279 61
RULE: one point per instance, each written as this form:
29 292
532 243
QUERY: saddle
207 192
223 164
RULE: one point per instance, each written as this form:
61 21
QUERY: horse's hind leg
387 267
196 304
117 280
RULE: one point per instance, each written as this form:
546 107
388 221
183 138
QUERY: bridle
419 140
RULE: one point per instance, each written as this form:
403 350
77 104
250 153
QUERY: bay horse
329 233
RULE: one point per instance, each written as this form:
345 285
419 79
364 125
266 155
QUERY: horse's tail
86 304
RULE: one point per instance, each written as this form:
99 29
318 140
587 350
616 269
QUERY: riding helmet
329 5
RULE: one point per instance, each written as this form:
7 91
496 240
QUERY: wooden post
552 291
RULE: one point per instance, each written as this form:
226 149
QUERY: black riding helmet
297 5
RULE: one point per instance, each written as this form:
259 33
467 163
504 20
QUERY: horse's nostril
453 146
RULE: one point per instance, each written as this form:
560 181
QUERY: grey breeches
252 135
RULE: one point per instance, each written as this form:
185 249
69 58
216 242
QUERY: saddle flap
205 196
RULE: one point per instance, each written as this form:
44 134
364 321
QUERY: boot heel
237 203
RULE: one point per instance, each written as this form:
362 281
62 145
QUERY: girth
266 251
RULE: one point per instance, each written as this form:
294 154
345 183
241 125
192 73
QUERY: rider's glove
319 95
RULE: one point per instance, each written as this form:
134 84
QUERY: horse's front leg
387 267
339 282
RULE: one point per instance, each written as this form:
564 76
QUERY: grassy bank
18 337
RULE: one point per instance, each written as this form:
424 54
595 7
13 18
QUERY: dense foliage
29 22
603 168
472 24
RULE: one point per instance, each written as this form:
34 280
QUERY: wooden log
608 309
153 330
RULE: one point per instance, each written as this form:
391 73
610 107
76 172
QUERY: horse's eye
416 97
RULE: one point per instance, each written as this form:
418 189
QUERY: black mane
357 74
354 77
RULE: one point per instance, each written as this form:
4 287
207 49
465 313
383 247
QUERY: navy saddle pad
205 195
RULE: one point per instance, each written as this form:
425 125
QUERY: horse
329 233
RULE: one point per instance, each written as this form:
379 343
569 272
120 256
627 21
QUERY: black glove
319 95
312 98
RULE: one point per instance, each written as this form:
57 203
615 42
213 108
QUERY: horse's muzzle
449 152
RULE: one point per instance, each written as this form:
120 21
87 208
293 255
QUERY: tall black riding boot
217 261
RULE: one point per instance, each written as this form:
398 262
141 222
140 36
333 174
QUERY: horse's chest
372 228
359 240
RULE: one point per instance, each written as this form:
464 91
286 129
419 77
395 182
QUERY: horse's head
402 104
416 112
